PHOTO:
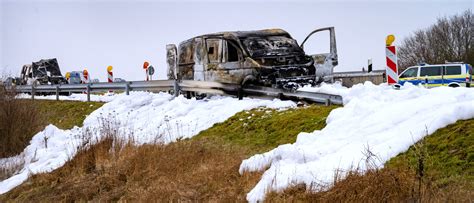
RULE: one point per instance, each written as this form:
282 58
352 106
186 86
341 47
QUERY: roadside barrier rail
177 87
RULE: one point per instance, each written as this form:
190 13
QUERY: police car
452 75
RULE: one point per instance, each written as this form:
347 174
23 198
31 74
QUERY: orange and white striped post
145 67
391 56
86 78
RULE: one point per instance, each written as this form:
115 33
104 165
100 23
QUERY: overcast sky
95 34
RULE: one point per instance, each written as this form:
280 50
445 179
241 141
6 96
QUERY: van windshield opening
271 45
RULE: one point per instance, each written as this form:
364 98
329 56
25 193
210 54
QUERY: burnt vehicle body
45 71
268 57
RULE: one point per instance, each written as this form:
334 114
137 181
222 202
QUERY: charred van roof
245 34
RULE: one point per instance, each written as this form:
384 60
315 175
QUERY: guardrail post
33 92
176 88
88 92
127 88
327 102
57 93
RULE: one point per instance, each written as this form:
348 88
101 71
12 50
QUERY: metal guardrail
314 97
88 88
176 87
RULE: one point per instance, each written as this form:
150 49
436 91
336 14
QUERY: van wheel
453 85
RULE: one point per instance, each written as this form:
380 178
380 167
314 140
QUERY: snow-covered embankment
378 118
142 117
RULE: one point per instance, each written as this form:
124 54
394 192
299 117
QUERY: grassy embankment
20 119
202 168
439 168
206 167
65 114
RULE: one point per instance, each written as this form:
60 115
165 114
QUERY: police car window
453 70
430 71
411 72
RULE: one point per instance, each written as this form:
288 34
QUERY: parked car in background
76 77
119 80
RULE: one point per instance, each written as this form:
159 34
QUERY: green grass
264 129
449 154
65 114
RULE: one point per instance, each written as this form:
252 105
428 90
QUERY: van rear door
172 61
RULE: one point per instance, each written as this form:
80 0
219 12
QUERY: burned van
43 72
268 57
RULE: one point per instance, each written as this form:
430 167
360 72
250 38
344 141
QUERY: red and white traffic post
110 75
391 56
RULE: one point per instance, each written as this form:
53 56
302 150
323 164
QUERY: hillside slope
438 168
65 114
202 168
206 166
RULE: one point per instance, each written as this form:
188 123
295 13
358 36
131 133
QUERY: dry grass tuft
385 185
19 121
112 169
403 183
11 166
